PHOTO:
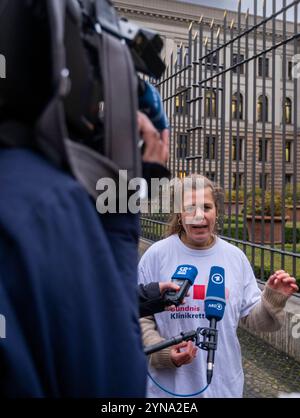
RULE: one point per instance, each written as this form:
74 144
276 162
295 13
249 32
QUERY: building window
211 175
263 150
211 60
182 140
263 181
262 109
288 151
263 67
210 104
181 101
237 180
182 56
237 108
288 179
236 58
210 148
288 110
179 56
237 149
290 70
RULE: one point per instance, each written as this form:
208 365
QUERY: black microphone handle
211 352
184 336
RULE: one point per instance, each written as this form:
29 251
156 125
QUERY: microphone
184 336
214 306
151 104
184 277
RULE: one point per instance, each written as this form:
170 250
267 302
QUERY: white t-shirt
242 293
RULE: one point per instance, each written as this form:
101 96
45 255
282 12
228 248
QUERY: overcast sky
233 5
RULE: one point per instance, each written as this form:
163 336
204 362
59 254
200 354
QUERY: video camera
145 45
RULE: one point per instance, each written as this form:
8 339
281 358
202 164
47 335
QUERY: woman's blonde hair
175 224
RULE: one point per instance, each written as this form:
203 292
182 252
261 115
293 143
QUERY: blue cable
176 394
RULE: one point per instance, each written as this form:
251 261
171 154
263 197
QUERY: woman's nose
199 215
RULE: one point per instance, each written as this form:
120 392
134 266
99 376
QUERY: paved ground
267 371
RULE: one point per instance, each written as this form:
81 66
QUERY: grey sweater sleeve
161 359
268 314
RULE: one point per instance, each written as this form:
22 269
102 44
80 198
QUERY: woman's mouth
199 227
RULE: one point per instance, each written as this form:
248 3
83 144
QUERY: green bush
289 234
268 201
233 230
289 200
233 195
288 231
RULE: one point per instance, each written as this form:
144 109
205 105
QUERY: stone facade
172 20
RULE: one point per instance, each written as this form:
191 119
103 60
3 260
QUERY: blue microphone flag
186 272
215 301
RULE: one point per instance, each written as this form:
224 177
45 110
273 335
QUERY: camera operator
68 275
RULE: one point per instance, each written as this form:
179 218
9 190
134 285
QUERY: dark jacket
67 288
150 299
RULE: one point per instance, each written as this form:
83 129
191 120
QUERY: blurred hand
156 144
164 286
186 356
283 283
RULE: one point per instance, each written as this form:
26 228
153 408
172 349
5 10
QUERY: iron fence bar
254 133
246 134
190 91
168 112
240 115
237 241
261 247
185 113
176 94
176 116
194 104
278 45
172 116
273 130
257 25
230 136
210 129
263 139
223 109
200 136
283 135
295 148
181 112
216 145
204 112
211 98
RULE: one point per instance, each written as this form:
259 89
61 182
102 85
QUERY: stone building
244 125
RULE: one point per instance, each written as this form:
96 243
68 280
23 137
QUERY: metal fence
231 95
